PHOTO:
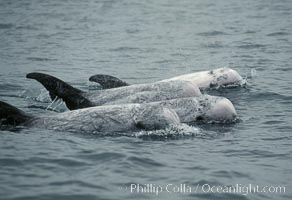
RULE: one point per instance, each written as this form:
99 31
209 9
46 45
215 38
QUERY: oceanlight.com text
183 188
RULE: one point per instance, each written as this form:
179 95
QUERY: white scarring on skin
109 119
206 79
143 93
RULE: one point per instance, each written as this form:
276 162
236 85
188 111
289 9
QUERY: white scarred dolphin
126 117
189 109
140 93
203 79
101 120
207 79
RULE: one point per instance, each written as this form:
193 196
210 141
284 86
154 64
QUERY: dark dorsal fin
10 115
73 97
107 81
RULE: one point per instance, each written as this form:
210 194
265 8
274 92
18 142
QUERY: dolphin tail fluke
10 115
107 81
73 97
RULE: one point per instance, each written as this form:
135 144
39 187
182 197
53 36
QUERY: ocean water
145 41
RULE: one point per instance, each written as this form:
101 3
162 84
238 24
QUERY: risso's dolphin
101 120
203 79
190 109
112 119
140 93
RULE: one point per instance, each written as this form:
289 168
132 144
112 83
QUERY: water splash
31 93
43 96
249 76
93 86
172 132
253 73
57 105
242 83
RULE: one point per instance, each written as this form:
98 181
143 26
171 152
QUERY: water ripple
40 59
230 174
144 162
51 196
103 157
6 26
77 183
63 162
212 33
122 49
10 162
251 46
280 33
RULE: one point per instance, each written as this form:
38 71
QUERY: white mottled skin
207 108
167 102
143 93
206 79
154 115
109 119
174 94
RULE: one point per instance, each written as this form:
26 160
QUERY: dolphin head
225 76
220 110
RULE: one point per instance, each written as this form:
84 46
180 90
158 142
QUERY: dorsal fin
73 97
10 115
107 81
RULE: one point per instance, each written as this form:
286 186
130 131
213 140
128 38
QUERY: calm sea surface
145 41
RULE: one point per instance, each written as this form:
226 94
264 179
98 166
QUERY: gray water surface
145 41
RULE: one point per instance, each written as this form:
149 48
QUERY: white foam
181 130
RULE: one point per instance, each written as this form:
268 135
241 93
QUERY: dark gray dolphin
9 115
107 81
